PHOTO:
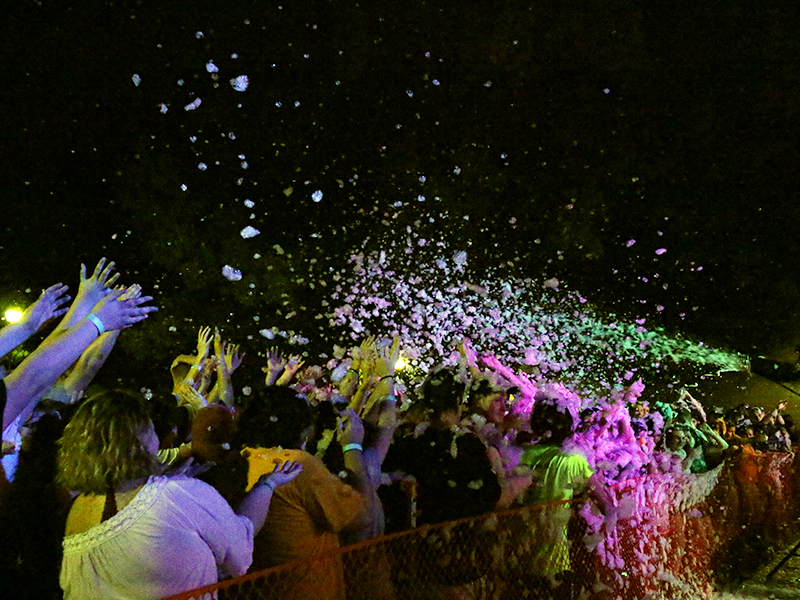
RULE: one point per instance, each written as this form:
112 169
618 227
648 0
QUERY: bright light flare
13 315
400 364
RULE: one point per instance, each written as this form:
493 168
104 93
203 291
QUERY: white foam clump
136 80
240 83
231 274
249 232
193 105
414 291
317 196
211 67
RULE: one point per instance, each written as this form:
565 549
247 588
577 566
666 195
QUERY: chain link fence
667 537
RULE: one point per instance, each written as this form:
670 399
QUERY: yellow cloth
304 520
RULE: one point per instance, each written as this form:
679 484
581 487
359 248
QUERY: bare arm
351 433
228 360
256 504
46 307
90 291
40 370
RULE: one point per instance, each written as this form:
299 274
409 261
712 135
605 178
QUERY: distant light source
13 315
400 364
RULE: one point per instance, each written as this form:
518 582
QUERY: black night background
644 154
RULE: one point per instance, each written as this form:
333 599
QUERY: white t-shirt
172 537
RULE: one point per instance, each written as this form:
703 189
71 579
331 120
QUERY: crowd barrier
668 536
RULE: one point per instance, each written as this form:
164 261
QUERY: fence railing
667 537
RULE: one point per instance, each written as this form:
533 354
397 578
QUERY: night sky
644 154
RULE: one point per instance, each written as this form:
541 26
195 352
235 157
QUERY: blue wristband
97 323
349 447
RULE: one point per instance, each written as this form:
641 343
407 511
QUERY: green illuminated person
560 474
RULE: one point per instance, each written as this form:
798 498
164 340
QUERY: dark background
588 123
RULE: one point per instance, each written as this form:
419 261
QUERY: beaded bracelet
349 447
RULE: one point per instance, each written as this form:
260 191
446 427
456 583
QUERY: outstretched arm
90 291
94 357
47 307
40 370
228 360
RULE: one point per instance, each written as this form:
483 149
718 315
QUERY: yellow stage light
13 315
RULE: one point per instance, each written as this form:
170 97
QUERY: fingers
113 279
56 289
99 268
104 274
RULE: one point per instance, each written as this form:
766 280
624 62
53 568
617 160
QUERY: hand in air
275 360
387 358
232 357
121 314
99 284
48 306
350 428
204 339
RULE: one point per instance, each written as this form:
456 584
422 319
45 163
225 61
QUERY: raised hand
294 363
100 282
292 366
387 358
48 306
350 429
275 360
368 355
281 474
232 357
132 291
204 339
121 314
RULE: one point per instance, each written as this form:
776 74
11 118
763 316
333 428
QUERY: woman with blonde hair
134 533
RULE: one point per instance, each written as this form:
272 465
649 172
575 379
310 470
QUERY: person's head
641 408
674 439
110 440
549 421
442 393
276 417
213 431
685 417
489 401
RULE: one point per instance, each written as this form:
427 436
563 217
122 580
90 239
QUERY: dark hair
546 416
442 391
276 417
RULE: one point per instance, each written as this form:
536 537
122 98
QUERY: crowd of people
118 495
